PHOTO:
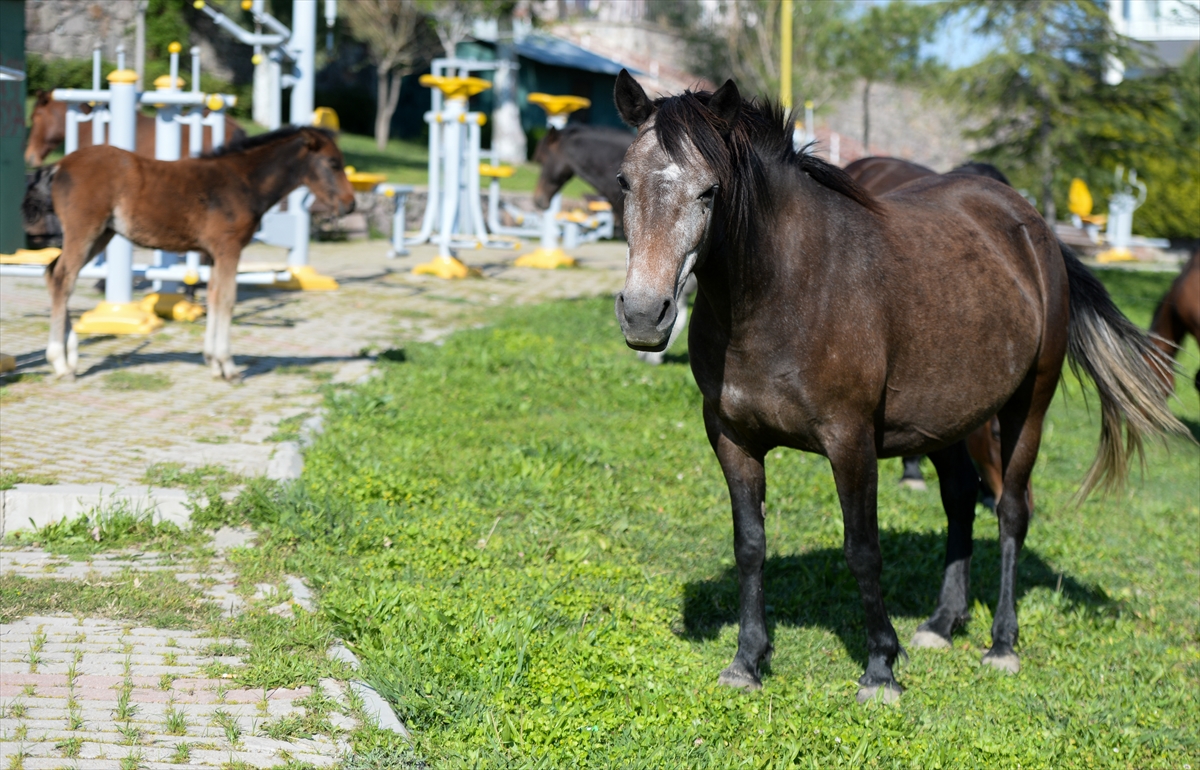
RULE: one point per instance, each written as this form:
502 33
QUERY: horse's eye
708 195
623 182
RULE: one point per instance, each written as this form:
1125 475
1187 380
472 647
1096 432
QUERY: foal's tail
37 203
1118 357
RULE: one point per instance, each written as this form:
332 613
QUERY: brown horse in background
48 130
1178 315
211 204
880 175
593 153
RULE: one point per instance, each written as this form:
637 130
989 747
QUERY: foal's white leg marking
210 329
72 348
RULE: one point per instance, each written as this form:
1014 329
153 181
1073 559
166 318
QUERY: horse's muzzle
345 206
646 319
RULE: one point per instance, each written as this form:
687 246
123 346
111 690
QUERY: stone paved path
109 427
85 692
97 693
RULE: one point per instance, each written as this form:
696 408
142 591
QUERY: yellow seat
455 88
364 181
326 117
496 172
599 206
559 105
31 256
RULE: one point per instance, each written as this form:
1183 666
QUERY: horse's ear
632 103
313 140
43 97
726 103
86 109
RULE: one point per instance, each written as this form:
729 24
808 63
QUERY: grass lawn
525 537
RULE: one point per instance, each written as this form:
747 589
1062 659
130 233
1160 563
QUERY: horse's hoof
1007 661
887 693
741 680
929 640
915 484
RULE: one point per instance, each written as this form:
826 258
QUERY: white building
1169 28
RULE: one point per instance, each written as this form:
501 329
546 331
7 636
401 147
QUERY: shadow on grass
817 589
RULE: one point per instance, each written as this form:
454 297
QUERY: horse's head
556 171
48 127
671 186
324 171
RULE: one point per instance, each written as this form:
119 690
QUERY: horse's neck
273 171
596 159
740 278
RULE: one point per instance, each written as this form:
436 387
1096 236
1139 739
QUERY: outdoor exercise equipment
1128 196
549 255
113 121
453 214
289 226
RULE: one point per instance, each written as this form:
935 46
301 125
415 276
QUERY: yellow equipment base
545 259
7 363
174 307
127 318
31 256
1115 255
444 267
306 278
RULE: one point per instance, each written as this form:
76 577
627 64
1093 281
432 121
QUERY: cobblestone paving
107 426
96 693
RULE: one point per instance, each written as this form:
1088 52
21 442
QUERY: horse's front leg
747 489
851 451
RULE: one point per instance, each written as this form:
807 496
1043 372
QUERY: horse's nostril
665 309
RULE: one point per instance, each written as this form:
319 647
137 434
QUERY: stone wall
70 29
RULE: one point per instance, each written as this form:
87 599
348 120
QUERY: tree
1044 91
740 38
508 137
452 20
396 36
884 44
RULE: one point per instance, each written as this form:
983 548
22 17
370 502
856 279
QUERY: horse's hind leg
222 294
1020 438
959 484
62 351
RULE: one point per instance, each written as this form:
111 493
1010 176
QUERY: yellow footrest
306 278
545 259
445 267
124 318
174 307
498 172
31 256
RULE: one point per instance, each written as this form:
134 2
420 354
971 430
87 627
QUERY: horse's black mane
761 136
250 142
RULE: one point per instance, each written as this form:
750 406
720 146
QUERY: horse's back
881 174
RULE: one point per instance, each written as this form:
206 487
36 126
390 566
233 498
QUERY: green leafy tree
740 39
395 33
885 44
166 23
1044 92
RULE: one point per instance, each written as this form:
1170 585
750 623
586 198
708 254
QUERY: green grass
148 598
526 539
106 528
124 380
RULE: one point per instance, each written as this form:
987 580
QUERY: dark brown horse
48 130
880 175
592 153
211 204
858 328
1178 315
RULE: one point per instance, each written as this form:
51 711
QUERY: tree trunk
387 96
1046 159
867 117
508 137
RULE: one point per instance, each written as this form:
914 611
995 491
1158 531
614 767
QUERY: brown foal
211 204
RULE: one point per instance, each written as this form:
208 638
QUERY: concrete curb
374 704
42 504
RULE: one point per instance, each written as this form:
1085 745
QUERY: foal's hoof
929 640
915 484
888 692
1005 661
740 679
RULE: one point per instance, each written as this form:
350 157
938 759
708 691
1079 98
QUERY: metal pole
122 106
139 52
785 56
303 45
